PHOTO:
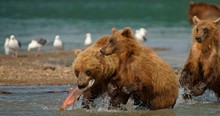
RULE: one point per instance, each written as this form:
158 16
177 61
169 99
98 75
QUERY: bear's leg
198 89
89 96
185 78
117 96
163 101
87 100
136 99
112 89
137 102
86 104
119 99
142 106
218 94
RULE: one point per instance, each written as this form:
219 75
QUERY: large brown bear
202 68
102 69
141 72
91 64
203 11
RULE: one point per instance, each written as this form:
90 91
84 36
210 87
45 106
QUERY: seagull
57 43
6 46
143 31
88 40
14 45
140 34
37 44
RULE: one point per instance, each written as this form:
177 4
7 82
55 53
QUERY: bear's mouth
86 85
75 94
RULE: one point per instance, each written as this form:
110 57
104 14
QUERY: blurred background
166 21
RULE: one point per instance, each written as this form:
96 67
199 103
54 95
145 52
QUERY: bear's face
203 29
87 67
116 41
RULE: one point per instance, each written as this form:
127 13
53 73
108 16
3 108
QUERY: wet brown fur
202 68
100 67
141 71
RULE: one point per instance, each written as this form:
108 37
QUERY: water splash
102 103
207 97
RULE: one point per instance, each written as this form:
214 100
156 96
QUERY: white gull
57 43
14 46
88 40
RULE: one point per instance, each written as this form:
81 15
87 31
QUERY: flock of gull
12 45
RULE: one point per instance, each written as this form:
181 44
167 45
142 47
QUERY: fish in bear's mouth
75 94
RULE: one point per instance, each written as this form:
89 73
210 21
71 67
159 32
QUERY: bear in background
141 72
203 11
202 68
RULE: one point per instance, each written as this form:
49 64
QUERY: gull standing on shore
37 44
88 40
57 43
14 46
6 46
140 34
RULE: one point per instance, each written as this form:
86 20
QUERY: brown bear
202 68
203 11
141 71
103 69
89 65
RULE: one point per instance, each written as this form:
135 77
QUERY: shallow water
35 100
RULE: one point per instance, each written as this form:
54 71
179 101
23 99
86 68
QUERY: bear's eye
111 40
197 30
88 72
76 73
205 30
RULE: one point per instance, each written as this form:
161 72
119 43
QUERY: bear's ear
127 32
114 30
217 21
196 20
77 51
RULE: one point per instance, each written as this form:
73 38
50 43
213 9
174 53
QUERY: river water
37 100
166 22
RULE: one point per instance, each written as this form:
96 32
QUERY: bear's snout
105 51
81 85
199 39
